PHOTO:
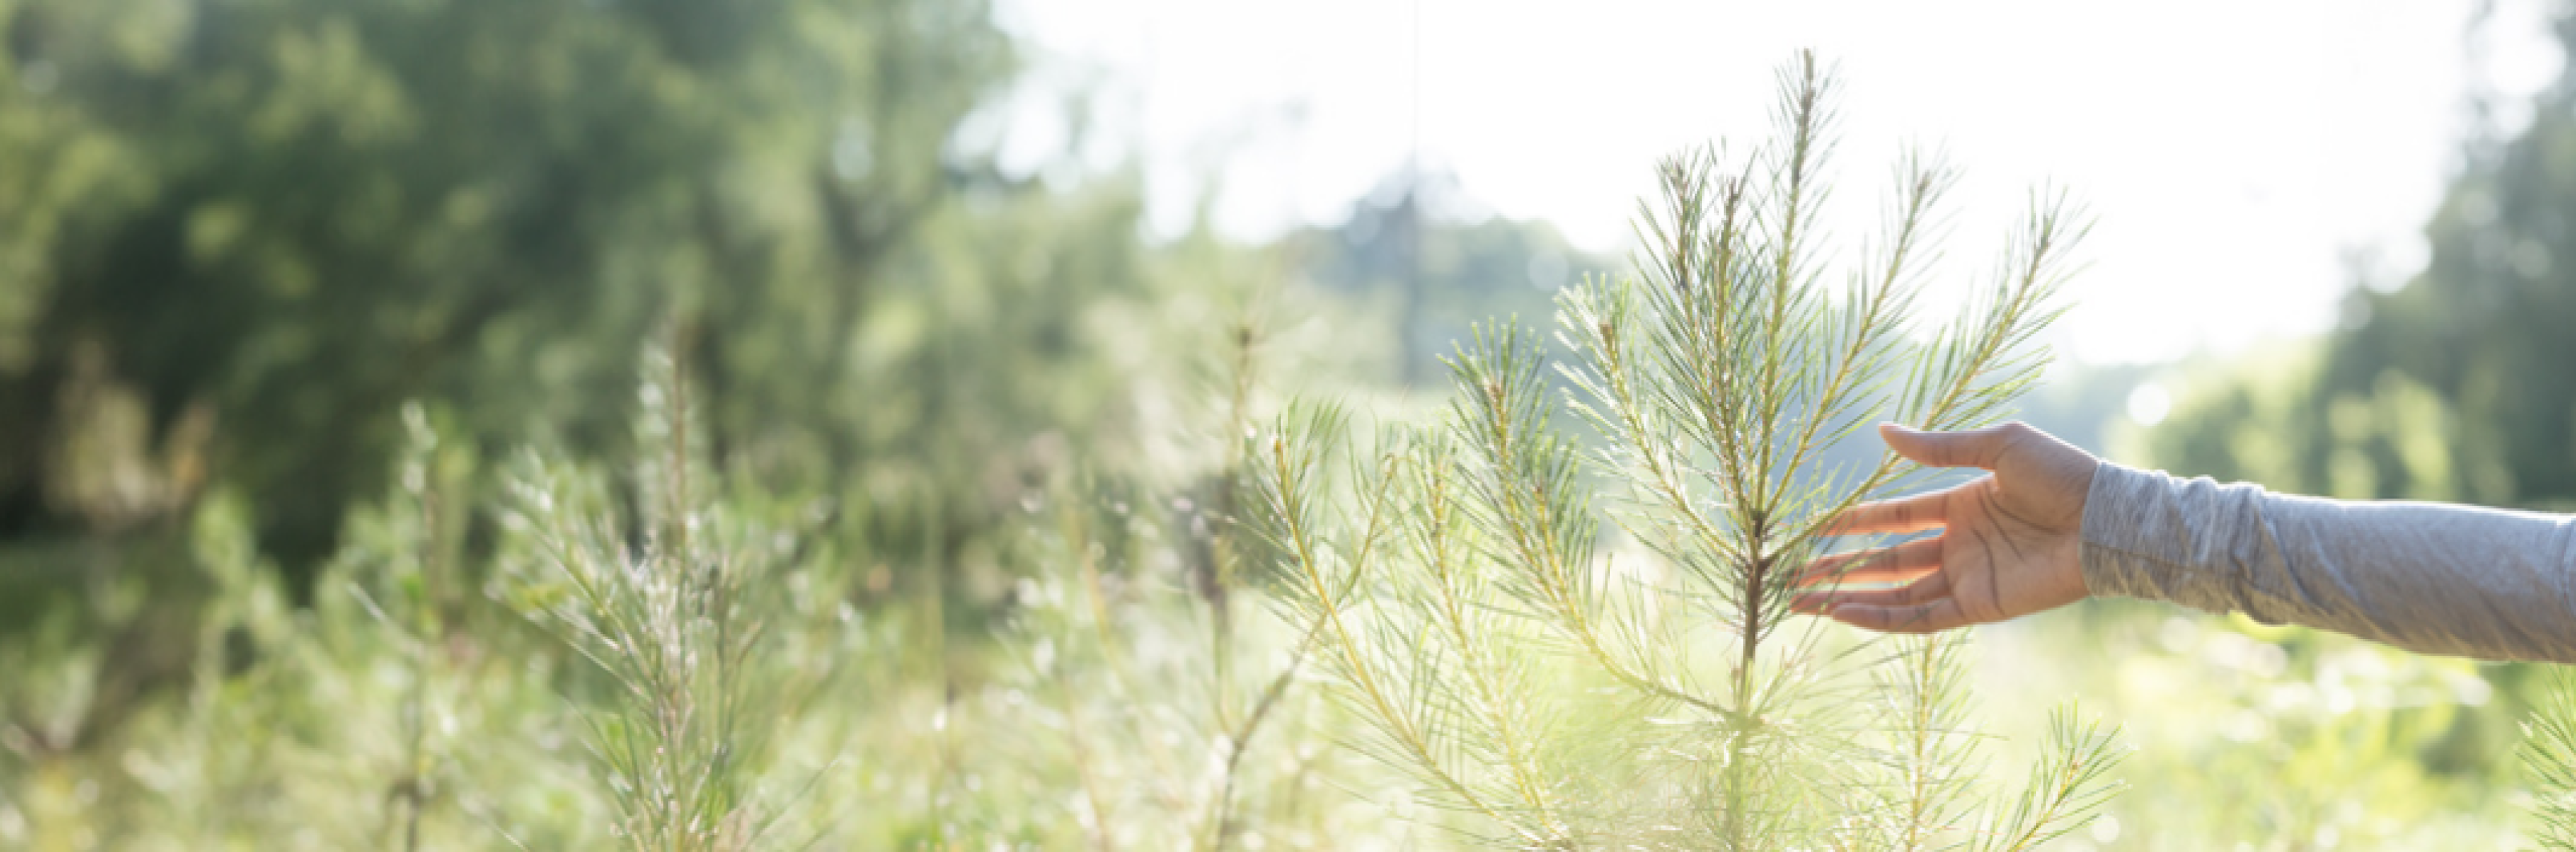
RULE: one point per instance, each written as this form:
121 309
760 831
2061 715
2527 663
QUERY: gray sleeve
2428 577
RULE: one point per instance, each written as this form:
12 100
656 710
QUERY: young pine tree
671 605
1553 696
1160 685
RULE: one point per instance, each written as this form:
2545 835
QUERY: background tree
253 228
242 234
1433 262
2454 384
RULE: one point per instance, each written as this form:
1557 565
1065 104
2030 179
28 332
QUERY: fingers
1930 588
1902 515
1973 448
1938 615
1897 564
1980 448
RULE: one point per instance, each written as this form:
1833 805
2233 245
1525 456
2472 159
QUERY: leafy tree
243 232
2453 385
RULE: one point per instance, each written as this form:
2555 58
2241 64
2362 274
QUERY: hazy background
2247 163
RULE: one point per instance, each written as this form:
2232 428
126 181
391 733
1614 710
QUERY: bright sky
2235 154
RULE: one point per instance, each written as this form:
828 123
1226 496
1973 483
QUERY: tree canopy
2453 385
242 232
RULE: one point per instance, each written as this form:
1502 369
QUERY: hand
2009 543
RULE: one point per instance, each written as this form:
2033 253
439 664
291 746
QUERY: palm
2007 547
1994 558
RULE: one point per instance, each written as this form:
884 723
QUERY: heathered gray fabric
2427 577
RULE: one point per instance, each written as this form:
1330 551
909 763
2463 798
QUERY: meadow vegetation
399 451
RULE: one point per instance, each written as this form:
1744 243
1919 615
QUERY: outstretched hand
2009 542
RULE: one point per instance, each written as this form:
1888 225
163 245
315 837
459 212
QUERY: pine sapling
674 620
1165 690
1557 697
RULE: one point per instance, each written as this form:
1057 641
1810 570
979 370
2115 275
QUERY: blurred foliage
243 232
2454 385
2259 737
1421 251
655 655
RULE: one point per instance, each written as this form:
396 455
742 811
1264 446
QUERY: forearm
2427 577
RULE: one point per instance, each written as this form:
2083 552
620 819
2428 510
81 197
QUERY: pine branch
2067 787
1526 489
1456 604
1290 492
1980 363
2549 762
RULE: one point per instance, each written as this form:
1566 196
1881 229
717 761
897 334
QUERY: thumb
1980 448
